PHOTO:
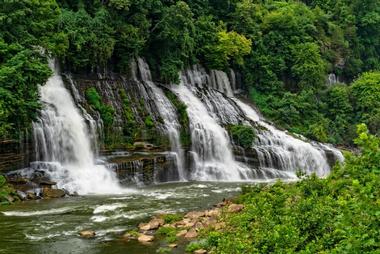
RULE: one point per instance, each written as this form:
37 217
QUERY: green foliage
7 193
334 215
242 135
193 246
366 100
149 123
21 70
170 218
130 128
106 111
229 46
169 233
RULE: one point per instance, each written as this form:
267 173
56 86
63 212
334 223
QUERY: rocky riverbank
181 229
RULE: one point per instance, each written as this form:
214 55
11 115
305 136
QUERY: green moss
130 127
182 117
242 135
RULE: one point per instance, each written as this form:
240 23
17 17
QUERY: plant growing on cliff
242 135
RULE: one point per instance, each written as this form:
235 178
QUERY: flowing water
53 226
168 114
63 145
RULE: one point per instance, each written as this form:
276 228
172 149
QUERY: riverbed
53 226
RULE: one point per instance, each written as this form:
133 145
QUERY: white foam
108 208
38 213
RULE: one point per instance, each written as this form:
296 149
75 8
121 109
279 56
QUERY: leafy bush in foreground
339 214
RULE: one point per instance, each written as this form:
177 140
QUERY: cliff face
148 132
15 155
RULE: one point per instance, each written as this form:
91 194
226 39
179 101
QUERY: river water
52 226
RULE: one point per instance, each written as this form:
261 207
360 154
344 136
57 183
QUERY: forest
284 50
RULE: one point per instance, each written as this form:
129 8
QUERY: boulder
201 251
145 238
52 193
22 195
129 236
235 208
192 233
87 234
213 212
152 225
195 215
173 245
181 233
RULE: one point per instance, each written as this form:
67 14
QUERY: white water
211 103
168 114
211 148
293 154
63 144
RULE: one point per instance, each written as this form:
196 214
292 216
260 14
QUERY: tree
366 99
308 68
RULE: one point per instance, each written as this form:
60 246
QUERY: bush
242 135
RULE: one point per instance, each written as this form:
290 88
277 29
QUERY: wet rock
22 195
173 245
235 208
145 238
181 233
31 195
87 234
152 225
201 251
213 213
129 236
192 233
53 193
195 214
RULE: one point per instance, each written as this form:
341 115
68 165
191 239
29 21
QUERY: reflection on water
52 226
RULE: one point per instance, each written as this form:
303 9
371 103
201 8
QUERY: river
53 226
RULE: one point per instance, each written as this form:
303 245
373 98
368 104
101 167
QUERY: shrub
242 135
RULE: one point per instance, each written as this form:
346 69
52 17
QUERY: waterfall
211 105
288 152
211 148
168 114
63 146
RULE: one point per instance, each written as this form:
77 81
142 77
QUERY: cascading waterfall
211 148
276 147
168 114
210 102
63 146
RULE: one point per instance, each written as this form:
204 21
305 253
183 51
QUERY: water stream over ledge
53 226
